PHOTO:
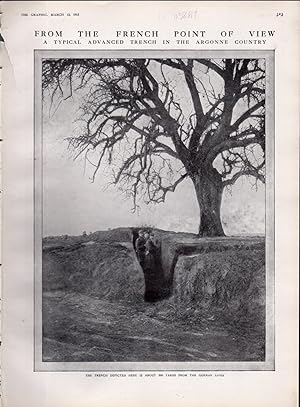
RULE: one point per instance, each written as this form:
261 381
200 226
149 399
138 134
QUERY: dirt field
81 328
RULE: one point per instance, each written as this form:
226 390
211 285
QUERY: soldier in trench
151 270
140 247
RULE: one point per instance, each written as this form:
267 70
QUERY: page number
279 14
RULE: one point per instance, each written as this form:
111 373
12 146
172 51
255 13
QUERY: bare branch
244 172
132 108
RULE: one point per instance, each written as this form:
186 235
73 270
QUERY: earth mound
93 299
103 265
228 282
219 275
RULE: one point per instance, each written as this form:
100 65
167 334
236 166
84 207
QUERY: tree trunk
209 190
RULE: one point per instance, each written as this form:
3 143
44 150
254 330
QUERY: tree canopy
158 121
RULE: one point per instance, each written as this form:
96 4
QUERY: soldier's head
151 235
141 233
146 235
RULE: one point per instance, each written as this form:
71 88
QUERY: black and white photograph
154 210
150 203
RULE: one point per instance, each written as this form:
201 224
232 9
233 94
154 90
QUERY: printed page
150 203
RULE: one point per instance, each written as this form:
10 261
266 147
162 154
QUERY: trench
157 287
79 326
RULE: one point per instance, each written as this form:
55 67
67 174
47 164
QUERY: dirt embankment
94 309
229 283
102 265
221 276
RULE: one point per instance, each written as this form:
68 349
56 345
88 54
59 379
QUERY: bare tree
160 121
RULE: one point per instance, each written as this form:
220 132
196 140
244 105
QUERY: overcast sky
73 204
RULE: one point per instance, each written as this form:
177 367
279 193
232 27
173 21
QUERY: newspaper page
150 203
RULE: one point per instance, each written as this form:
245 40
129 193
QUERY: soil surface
78 327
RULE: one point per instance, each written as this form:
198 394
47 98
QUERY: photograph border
269 363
